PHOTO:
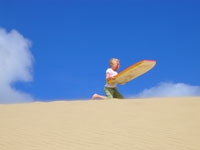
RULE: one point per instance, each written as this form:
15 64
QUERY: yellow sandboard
133 72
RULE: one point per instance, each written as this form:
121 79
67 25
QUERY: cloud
171 90
15 65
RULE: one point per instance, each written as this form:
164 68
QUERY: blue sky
73 41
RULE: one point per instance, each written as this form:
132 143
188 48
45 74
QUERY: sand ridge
139 124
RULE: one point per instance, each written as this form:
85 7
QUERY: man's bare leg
95 96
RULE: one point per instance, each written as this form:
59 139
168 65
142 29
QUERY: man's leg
95 96
118 95
109 92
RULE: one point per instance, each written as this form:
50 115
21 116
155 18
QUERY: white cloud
15 65
171 90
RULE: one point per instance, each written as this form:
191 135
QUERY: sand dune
133 124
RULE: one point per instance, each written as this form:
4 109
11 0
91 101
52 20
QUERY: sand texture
131 124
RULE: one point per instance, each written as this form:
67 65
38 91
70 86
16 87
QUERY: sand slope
134 124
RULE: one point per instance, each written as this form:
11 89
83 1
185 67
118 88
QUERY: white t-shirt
112 74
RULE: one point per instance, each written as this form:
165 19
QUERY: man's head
114 64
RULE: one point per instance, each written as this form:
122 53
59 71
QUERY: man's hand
112 78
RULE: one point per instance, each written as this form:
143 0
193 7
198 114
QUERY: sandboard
133 72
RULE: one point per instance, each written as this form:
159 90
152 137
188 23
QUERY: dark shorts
112 93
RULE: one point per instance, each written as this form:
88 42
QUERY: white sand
134 124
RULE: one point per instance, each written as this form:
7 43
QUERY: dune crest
131 124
